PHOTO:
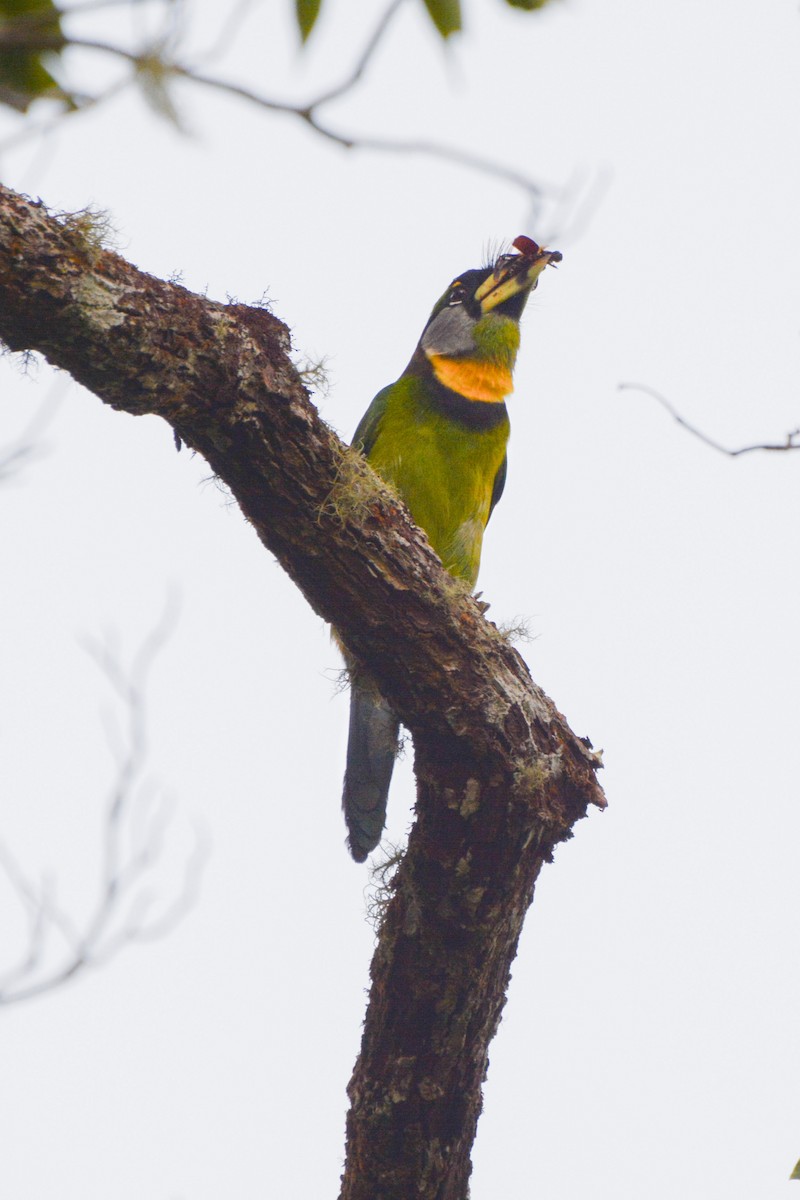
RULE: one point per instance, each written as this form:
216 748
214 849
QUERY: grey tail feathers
371 751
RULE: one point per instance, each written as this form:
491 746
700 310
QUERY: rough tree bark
501 777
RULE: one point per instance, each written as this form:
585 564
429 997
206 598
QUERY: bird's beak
515 273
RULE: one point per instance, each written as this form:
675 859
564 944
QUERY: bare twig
151 62
79 104
134 832
576 204
232 22
790 442
362 62
28 445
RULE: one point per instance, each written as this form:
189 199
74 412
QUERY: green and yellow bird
438 435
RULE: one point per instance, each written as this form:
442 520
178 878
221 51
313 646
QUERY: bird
438 436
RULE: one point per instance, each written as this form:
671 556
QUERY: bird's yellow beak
515 273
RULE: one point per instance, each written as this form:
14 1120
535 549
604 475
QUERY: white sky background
649 1046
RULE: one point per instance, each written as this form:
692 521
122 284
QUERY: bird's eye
458 294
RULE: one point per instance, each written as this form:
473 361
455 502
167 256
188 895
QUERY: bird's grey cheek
450 333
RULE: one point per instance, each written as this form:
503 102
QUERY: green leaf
307 12
154 77
526 5
16 8
445 14
796 1172
23 75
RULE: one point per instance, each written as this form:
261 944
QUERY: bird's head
472 336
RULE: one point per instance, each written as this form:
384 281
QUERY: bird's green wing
369 425
499 484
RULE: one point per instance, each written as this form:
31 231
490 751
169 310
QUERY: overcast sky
650 1043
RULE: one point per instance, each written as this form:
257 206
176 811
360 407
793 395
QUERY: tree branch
790 442
28 445
501 777
152 62
363 61
133 835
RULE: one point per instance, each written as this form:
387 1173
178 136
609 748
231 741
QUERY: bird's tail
371 751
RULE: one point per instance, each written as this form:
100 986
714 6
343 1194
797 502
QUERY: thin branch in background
136 824
532 188
28 445
229 31
82 103
44 917
362 62
156 63
790 442
575 206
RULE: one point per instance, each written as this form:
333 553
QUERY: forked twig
790 442
60 946
152 62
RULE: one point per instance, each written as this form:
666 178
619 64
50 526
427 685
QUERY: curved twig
28 444
133 841
362 62
151 59
790 442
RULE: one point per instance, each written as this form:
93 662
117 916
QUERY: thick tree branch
501 777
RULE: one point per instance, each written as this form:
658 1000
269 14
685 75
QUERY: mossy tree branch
501 777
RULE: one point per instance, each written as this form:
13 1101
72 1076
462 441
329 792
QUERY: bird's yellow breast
444 471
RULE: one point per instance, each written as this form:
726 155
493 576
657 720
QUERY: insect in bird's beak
515 273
